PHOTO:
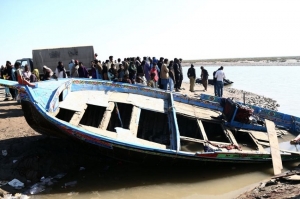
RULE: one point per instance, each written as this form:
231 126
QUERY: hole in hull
93 115
154 126
125 111
191 146
215 132
245 141
188 127
65 114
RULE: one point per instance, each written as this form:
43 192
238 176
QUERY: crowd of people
15 73
157 73
162 73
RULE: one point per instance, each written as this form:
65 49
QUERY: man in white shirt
220 75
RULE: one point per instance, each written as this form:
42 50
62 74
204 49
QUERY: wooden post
106 116
244 97
134 125
274 147
75 120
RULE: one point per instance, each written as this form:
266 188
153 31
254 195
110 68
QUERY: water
277 82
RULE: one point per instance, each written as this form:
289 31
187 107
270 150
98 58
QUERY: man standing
181 74
111 61
147 69
82 71
204 77
177 74
118 64
164 75
220 75
71 65
98 67
159 64
95 56
192 76
10 75
215 82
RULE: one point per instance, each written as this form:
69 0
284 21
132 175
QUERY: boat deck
77 100
197 125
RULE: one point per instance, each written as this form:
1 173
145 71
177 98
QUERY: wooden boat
143 124
211 81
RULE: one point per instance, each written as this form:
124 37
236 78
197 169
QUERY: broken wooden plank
257 143
231 136
106 116
293 177
78 116
274 147
260 135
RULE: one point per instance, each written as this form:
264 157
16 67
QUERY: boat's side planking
139 113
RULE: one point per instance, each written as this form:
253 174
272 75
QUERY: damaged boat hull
183 130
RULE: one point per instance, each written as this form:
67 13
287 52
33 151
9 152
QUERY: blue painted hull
38 102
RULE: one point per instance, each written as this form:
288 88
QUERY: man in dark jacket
192 76
178 74
159 64
181 74
10 75
204 77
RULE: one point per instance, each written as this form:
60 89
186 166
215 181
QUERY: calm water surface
280 83
277 82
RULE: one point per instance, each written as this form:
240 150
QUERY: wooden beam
77 116
134 121
192 139
257 143
231 136
202 141
202 130
106 116
274 147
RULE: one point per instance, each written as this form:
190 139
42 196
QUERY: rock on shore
235 94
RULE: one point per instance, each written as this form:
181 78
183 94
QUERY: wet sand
31 156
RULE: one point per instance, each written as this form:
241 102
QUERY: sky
189 29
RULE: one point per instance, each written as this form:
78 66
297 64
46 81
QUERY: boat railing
175 136
230 109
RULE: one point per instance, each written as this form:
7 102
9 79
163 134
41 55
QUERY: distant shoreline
188 63
232 62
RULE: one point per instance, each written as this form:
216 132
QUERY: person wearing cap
204 77
220 75
192 76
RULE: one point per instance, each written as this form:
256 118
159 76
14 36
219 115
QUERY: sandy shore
31 155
